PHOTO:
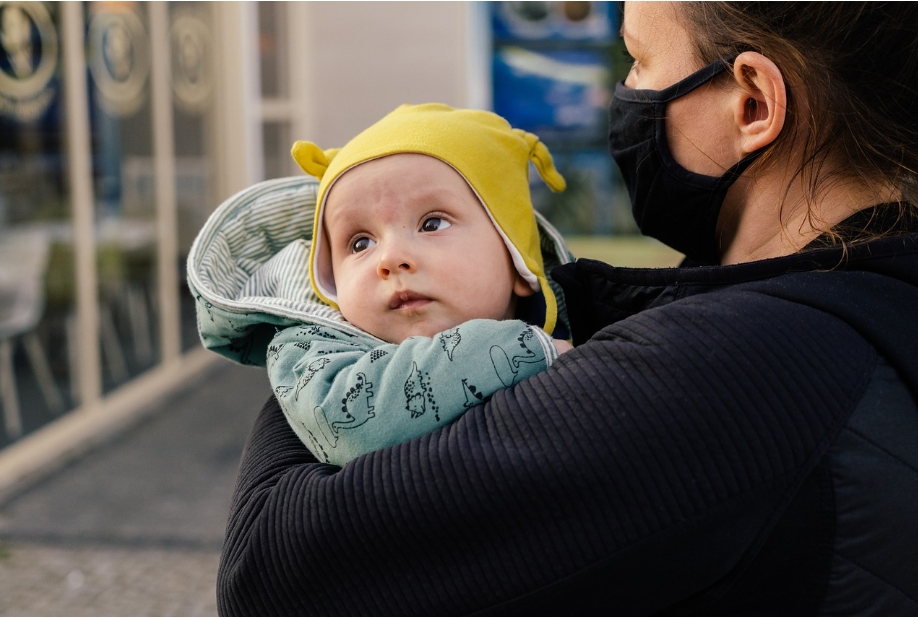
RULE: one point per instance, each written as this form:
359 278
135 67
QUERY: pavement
135 527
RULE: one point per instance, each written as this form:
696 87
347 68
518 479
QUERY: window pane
37 281
277 144
118 57
272 45
193 65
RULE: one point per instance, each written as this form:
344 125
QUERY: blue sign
564 21
552 76
553 93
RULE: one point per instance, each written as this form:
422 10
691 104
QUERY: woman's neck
767 216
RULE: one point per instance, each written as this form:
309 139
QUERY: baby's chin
400 333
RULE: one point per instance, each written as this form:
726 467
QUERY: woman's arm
639 470
345 399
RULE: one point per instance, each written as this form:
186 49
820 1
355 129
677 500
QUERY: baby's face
413 251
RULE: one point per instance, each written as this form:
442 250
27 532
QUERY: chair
23 259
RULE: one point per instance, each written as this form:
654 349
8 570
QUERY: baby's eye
432 224
361 243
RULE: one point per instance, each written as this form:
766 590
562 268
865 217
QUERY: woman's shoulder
832 302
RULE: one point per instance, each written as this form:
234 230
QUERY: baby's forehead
417 167
403 179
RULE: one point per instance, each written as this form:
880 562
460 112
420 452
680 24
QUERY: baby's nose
395 258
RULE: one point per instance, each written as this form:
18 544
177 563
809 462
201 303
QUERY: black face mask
669 203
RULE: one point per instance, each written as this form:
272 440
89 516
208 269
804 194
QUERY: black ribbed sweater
698 453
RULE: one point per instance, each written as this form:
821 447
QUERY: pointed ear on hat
312 159
541 158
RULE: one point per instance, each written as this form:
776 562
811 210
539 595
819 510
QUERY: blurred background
124 124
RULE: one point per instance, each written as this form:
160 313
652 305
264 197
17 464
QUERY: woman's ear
760 109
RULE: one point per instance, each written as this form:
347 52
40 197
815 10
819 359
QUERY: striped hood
248 269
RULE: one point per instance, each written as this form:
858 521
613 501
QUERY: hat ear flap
541 158
312 159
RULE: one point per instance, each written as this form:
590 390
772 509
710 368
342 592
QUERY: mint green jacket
344 391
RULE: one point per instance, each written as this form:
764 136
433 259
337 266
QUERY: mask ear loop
541 158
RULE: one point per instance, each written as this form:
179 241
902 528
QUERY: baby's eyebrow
338 218
335 229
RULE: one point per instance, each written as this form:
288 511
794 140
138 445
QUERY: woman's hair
851 71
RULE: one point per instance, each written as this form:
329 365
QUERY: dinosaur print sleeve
344 397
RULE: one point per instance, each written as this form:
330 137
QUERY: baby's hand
562 345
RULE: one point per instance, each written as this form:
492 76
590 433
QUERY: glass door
37 279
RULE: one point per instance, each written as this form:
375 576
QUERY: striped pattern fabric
251 259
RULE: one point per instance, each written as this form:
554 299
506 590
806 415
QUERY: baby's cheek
361 314
348 306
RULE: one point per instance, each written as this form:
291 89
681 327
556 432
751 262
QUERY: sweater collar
598 294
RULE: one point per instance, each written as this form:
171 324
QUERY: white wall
360 60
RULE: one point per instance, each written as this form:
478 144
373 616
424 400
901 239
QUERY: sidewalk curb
46 450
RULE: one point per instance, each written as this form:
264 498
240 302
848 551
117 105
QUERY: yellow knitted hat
492 156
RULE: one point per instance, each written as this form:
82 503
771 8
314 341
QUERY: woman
736 436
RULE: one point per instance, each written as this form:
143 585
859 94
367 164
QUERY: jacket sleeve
639 471
344 399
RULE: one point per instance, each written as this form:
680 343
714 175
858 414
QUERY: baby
424 238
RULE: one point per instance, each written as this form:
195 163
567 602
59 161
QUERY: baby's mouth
407 300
